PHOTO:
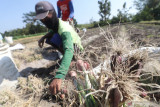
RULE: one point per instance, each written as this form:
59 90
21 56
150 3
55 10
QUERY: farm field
38 66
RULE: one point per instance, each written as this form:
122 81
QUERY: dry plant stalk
30 85
124 78
9 98
27 91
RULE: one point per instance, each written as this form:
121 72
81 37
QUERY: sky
11 11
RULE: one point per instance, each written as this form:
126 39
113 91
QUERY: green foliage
156 22
24 36
28 17
122 15
140 4
93 24
31 27
81 26
28 29
143 15
148 10
149 36
103 23
115 20
75 23
105 8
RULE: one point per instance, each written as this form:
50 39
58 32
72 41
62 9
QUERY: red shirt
64 6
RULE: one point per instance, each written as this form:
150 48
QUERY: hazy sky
11 11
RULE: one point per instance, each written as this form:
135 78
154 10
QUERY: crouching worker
61 35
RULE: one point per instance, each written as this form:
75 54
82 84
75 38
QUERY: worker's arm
71 9
55 85
67 57
59 11
48 35
41 41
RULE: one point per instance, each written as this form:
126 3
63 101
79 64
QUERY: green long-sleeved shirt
69 37
67 57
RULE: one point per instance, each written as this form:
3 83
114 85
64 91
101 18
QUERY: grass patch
81 26
93 24
25 36
149 36
156 22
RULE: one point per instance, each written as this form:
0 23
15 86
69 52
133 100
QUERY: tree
32 26
29 17
122 16
91 20
75 22
105 9
140 4
148 9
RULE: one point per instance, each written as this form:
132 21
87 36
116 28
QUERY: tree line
147 10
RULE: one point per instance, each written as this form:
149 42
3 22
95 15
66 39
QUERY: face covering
51 23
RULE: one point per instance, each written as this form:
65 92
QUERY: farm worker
61 35
65 10
1 39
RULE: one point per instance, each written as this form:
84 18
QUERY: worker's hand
55 86
41 42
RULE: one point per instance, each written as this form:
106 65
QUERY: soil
45 64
